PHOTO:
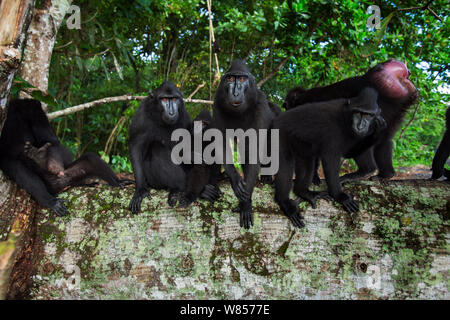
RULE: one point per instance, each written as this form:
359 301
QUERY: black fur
243 107
396 95
442 152
323 130
276 111
151 146
32 156
202 179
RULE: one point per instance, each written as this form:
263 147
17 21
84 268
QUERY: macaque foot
174 196
211 193
379 177
185 200
290 209
313 196
135 203
266 179
59 208
350 205
39 156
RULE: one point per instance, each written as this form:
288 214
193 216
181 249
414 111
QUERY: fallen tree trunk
396 247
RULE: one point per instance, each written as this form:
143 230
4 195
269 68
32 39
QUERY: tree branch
213 39
63 46
201 85
199 101
127 97
410 121
434 14
425 7
91 104
278 67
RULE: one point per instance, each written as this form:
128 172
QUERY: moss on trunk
396 247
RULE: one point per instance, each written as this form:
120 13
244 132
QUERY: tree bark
26 42
15 206
394 248
41 38
14 21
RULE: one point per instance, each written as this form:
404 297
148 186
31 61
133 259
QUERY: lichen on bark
395 248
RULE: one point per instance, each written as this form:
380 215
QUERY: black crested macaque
276 111
157 116
442 152
396 94
32 156
202 179
58 177
238 104
327 130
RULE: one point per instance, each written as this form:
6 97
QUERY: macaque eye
242 79
174 99
164 99
358 114
367 116
231 79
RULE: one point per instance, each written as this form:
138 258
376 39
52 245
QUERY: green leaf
383 27
46 98
79 63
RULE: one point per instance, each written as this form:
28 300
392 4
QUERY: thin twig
213 40
109 142
89 55
410 121
278 67
434 14
425 7
90 19
196 90
64 45
85 146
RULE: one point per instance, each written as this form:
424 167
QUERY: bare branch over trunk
91 104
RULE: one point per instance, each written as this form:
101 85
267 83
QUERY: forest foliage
130 47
